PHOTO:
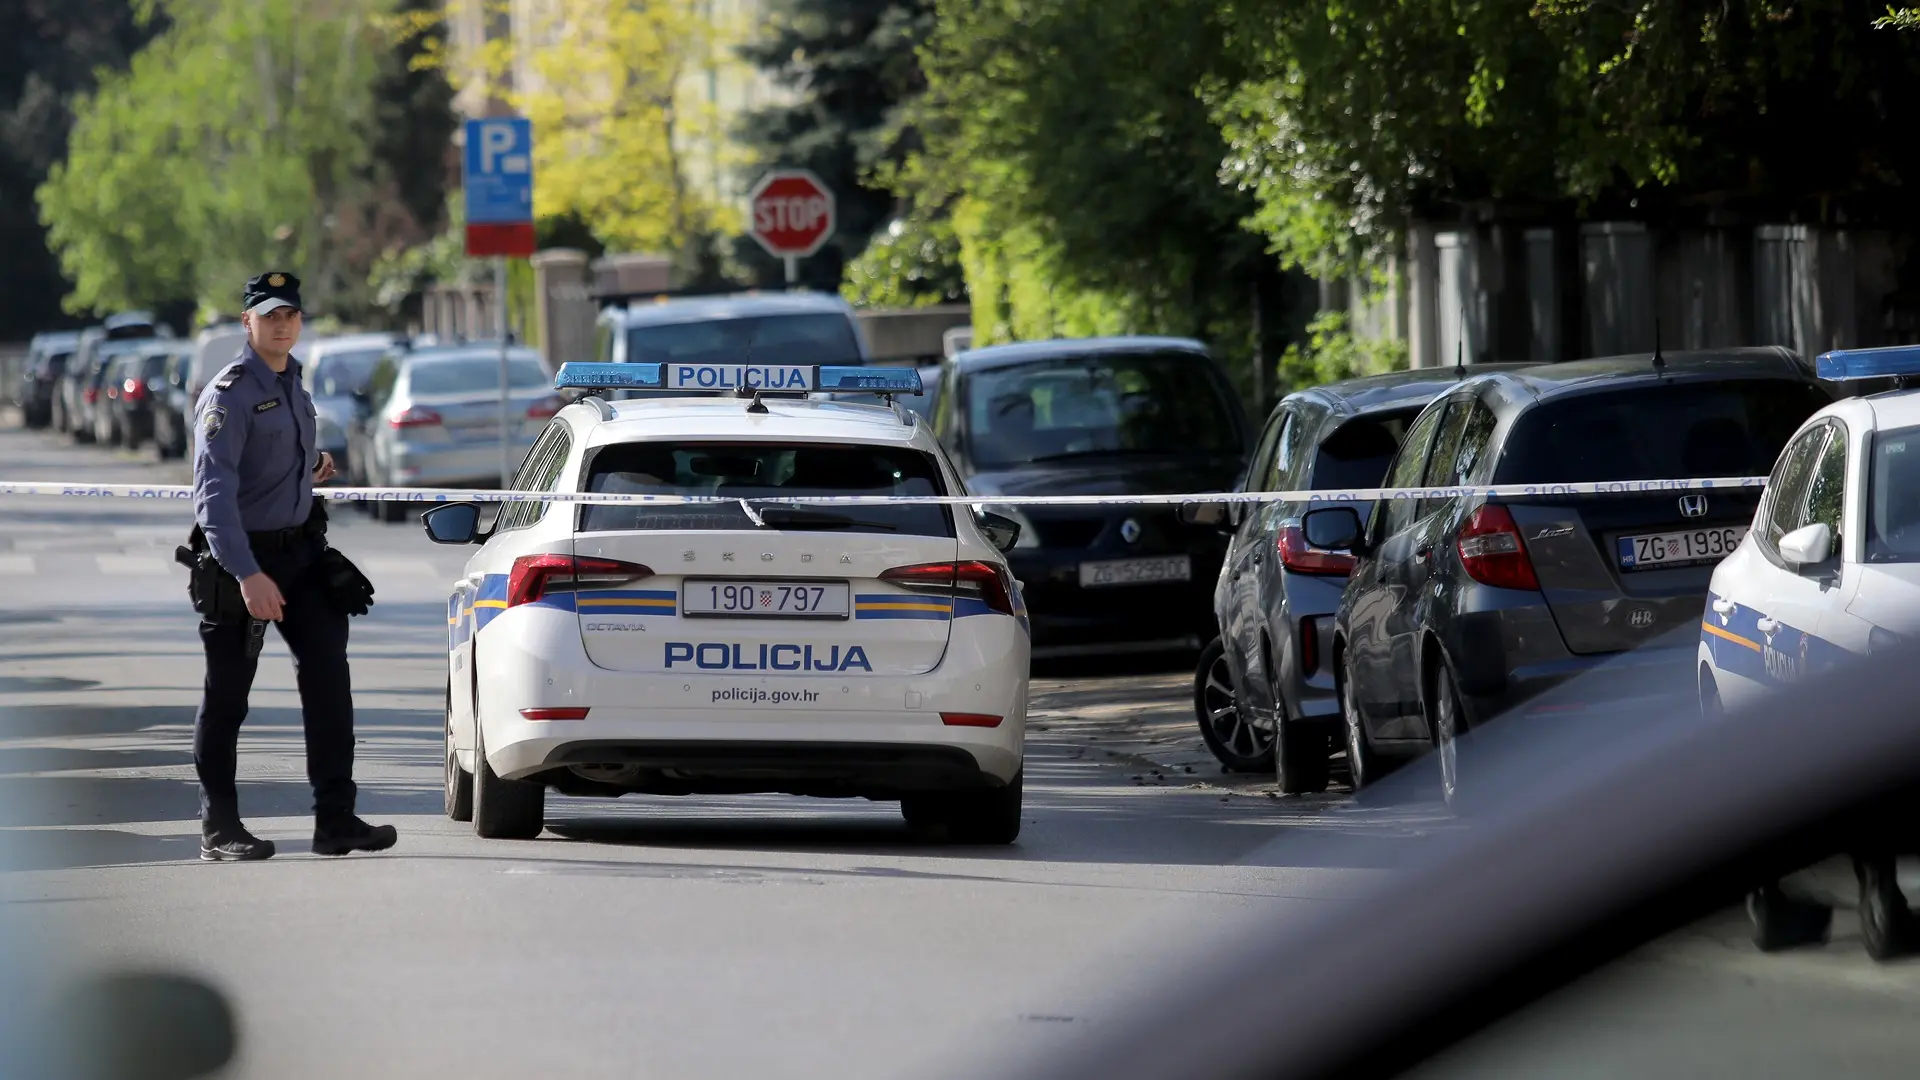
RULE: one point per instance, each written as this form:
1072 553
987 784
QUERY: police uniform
254 456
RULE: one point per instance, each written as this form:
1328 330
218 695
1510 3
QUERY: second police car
751 645
1831 568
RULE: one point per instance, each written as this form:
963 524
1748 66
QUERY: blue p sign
499 171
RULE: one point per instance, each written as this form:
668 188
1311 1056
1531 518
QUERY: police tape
182 492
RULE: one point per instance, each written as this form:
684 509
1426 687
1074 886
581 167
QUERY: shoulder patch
229 377
267 404
213 419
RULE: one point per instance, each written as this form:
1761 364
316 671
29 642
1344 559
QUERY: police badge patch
276 280
216 415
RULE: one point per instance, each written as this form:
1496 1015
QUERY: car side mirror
1334 528
1218 515
1002 532
454 523
1807 546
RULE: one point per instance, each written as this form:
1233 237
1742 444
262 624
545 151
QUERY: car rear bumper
469 463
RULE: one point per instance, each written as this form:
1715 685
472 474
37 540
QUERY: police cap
273 289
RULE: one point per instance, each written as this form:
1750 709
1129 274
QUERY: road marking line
16 564
132 564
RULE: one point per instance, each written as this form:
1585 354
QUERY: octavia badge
1693 505
1130 531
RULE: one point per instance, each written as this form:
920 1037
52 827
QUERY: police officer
254 468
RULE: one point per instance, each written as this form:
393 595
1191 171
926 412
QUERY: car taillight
1309 646
534 575
416 417
136 390
554 714
1491 551
1303 558
979 580
546 407
92 395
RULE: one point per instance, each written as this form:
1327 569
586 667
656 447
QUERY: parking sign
498 179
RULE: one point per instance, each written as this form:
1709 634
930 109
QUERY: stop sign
790 213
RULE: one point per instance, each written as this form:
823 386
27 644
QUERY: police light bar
734 378
1846 365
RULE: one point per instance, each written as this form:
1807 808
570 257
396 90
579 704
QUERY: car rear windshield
822 338
1358 452
1893 497
474 374
766 473
1096 406
1659 432
340 374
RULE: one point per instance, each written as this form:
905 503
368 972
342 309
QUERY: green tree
1080 169
240 138
852 69
49 53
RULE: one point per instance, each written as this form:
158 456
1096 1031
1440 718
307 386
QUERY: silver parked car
334 369
431 417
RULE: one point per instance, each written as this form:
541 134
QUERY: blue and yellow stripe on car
621 602
900 606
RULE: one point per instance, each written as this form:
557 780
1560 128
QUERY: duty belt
279 539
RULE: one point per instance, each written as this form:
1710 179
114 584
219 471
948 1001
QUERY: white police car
1831 567
757 645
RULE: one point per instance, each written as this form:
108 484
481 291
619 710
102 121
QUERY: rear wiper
794 516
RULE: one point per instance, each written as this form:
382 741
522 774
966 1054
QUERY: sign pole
506 443
793 270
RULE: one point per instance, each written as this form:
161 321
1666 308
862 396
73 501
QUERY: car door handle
1766 625
1723 607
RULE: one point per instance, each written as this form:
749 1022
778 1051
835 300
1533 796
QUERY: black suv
1461 608
1276 595
1100 416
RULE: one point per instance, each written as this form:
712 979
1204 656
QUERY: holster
214 592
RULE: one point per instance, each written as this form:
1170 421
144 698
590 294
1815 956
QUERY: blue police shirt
253 457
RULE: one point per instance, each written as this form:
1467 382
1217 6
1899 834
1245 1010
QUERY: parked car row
1395 628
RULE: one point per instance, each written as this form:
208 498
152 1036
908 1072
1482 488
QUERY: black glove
346 586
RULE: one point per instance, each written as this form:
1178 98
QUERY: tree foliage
851 69
1345 119
1080 168
911 263
240 138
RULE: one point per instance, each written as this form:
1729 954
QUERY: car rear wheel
459 783
504 809
1365 766
1224 725
1449 725
989 816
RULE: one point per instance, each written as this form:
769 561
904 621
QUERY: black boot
1886 926
232 843
339 836
1781 922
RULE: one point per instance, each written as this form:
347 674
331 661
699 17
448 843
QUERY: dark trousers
316 633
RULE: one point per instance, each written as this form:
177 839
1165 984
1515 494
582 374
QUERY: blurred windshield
1156 403
339 374
764 471
824 338
473 375
1659 432
1893 497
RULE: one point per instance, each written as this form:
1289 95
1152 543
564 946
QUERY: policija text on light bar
787 378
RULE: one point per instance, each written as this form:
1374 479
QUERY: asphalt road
758 936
